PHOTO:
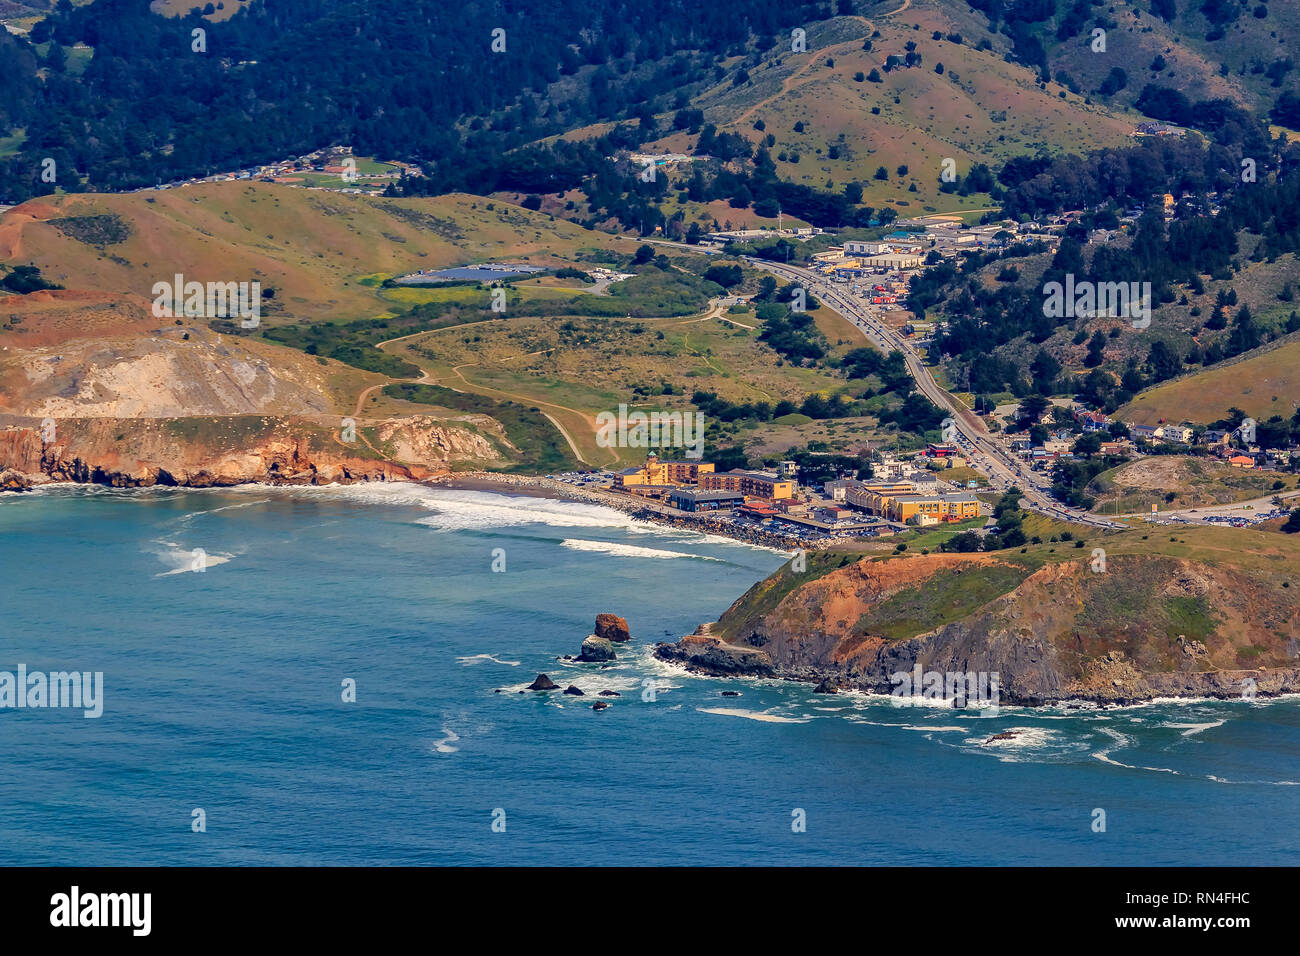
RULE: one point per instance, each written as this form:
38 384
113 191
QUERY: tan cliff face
202 452
1152 625
70 354
133 399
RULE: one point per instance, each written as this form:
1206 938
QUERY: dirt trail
532 401
426 379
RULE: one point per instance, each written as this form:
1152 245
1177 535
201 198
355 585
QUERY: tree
643 255
725 276
1087 445
1292 524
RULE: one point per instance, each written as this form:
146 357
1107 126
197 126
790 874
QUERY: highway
985 453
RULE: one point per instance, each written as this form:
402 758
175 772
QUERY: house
1093 421
1241 461
1151 433
1215 436
1178 433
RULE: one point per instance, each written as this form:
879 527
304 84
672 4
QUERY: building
658 473
694 499
857 248
757 509
1093 421
899 500
892 261
918 509
1241 461
1177 433
751 484
1150 433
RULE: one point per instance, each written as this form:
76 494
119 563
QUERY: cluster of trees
814 406
418 81
792 334
1174 259
1009 533
891 369
24 279
1132 174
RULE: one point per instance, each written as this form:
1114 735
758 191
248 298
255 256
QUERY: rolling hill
311 246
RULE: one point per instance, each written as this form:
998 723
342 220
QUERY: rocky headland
1153 626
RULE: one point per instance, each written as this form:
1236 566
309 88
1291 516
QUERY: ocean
223 692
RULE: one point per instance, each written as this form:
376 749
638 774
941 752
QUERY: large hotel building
656 476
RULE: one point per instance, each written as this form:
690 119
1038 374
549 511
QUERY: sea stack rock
612 628
599 705
596 650
574 691
826 687
543 683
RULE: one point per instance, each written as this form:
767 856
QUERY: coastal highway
986 454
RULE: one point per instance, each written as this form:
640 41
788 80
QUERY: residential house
1093 421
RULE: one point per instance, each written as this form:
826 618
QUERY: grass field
1262 385
179 8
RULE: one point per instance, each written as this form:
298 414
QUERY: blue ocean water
223 692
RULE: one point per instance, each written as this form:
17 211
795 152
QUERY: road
985 454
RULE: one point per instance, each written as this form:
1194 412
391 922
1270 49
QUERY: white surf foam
753 715
183 560
628 550
480 658
1190 730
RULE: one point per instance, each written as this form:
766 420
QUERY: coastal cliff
1194 624
213 452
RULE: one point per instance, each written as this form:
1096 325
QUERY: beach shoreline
533 486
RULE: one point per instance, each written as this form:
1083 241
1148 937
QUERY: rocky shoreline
93 452
702 654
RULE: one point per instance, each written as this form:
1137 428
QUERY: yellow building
917 508
668 472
